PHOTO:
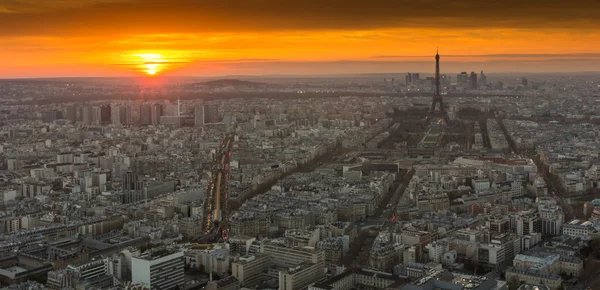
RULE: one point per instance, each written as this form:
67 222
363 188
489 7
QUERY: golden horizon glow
56 38
152 63
293 52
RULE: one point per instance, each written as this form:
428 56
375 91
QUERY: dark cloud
395 67
59 17
493 56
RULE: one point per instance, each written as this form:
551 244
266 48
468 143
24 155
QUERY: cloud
494 56
189 16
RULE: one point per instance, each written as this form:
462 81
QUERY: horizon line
283 75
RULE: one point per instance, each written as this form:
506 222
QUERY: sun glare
152 63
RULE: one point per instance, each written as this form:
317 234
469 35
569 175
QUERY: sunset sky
58 38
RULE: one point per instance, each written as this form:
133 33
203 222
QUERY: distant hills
238 84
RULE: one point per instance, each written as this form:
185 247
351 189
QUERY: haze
61 38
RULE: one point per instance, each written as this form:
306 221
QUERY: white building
158 269
578 228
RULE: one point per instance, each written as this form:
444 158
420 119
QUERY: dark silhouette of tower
437 97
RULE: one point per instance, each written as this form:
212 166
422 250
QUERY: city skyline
97 38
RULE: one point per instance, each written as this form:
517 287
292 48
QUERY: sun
153 63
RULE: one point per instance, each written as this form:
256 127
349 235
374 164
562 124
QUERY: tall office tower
115 113
211 113
482 80
446 80
125 115
49 116
131 181
96 115
159 269
473 80
408 79
105 114
81 111
146 115
132 187
415 79
199 115
170 110
524 81
87 117
71 114
157 111
462 78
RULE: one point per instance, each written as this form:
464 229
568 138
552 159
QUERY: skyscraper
199 115
462 78
71 114
157 111
146 114
482 80
105 114
84 115
473 80
125 115
96 115
115 117
524 81
445 81
211 113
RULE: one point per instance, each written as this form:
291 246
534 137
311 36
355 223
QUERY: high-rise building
96 115
445 80
146 115
462 78
159 269
105 114
71 114
50 116
128 120
473 80
199 115
171 110
500 86
482 80
157 112
552 219
408 79
524 82
211 113
527 222
125 115
80 112
133 188
115 117
85 115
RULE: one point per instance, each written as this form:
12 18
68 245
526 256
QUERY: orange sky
55 38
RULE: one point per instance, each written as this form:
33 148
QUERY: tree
595 245
513 283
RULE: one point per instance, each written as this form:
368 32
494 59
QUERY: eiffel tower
440 115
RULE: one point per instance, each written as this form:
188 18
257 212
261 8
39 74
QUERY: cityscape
424 175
